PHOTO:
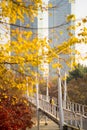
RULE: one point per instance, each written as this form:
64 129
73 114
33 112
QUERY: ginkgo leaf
50 14
50 5
56 65
61 32
71 18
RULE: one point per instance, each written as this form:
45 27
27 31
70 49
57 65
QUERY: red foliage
14 117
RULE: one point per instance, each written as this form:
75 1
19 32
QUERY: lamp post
61 115
47 91
65 91
37 95
37 100
47 96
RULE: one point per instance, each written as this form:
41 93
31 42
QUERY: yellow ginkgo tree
23 53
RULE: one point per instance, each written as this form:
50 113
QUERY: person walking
52 103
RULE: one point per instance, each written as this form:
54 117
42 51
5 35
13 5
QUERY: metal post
37 102
61 115
47 98
65 91
47 91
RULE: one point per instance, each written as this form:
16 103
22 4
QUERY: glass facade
58 28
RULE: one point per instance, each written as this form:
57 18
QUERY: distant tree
77 90
78 72
77 84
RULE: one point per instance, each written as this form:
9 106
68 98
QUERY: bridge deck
72 119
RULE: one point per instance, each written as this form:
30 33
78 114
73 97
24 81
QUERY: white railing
47 107
75 107
75 119
74 114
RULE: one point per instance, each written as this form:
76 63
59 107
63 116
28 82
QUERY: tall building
58 26
43 24
52 25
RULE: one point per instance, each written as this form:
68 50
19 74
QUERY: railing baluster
79 108
83 109
81 122
74 113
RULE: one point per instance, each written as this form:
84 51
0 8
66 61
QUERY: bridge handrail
71 118
76 107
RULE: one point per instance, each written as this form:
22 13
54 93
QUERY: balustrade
74 113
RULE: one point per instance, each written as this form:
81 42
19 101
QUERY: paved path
51 126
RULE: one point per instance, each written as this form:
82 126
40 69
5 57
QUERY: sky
81 8
81 12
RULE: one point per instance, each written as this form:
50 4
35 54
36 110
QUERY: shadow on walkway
50 126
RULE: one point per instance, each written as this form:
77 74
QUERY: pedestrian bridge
75 115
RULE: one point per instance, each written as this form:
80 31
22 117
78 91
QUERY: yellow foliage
84 20
50 5
71 1
28 52
71 18
61 32
56 65
50 14
70 34
17 9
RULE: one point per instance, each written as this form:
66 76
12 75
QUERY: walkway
51 126
74 114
